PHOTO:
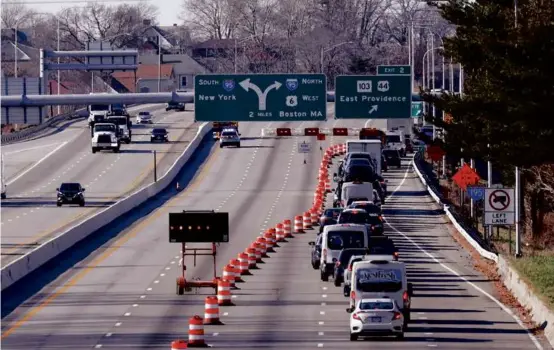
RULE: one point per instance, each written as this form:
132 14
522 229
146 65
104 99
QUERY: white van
381 279
334 239
356 191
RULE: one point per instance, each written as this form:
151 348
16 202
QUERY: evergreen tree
508 95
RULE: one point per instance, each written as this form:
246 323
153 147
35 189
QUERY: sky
168 10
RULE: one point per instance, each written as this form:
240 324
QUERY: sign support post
517 213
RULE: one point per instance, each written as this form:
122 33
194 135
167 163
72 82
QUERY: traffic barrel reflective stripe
298 225
258 251
280 232
229 274
243 263
224 292
235 263
287 227
268 237
343 148
179 344
265 246
196 332
211 311
251 257
315 217
273 233
307 221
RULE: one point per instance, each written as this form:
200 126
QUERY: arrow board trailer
372 147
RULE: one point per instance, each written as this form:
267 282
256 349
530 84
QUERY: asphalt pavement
36 168
123 294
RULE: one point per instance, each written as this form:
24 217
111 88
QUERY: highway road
123 294
36 168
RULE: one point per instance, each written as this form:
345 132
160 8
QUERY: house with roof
184 68
145 79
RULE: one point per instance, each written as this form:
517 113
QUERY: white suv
229 137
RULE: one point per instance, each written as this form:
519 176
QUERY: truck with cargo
105 136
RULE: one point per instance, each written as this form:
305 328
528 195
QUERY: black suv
70 193
159 135
393 157
179 106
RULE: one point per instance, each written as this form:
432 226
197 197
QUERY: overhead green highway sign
394 70
260 97
373 97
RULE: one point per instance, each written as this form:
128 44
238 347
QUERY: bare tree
121 25
211 19
15 15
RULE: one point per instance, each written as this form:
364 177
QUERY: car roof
159 130
230 130
344 227
377 300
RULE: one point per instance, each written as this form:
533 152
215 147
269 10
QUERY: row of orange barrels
254 254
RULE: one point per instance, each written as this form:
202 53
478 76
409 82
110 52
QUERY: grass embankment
538 271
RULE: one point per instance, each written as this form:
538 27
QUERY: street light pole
58 72
159 62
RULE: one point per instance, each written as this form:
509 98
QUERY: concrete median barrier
21 267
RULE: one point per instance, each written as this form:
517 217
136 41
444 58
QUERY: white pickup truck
105 136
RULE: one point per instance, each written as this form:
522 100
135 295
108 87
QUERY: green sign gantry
394 70
260 97
373 96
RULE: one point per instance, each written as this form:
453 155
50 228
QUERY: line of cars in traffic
111 125
353 249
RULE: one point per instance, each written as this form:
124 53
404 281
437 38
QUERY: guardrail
26 264
475 241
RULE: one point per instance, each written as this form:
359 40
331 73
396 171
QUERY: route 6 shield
292 101
228 85
292 84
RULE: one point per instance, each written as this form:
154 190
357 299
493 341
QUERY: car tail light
405 296
395 255
324 254
350 267
380 217
356 316
337 264
396 315
353 295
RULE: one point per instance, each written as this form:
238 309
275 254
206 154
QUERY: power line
68 2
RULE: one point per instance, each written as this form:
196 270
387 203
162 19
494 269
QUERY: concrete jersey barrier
26 264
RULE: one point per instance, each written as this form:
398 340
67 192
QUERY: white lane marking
428 333
98 346
162 274
422 318
432 345
321 323
127 314
149 288
30 148
322 312
225 314
324 295
324 288
109 334
135 305
143 296
36 164
118 324
167 268
233 296
458 275
367 123
320 345
320 333
215 334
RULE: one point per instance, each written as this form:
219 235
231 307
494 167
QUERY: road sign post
375 97
260 97
499 206
304 147
394 70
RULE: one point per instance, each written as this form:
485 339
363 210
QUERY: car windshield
362 173
370 208
376 305
359 161
104 127
346 254
393 138
229 133
359 156
332 213
353 217
373 280
338 240
391 153
159 131
70 187
99 107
